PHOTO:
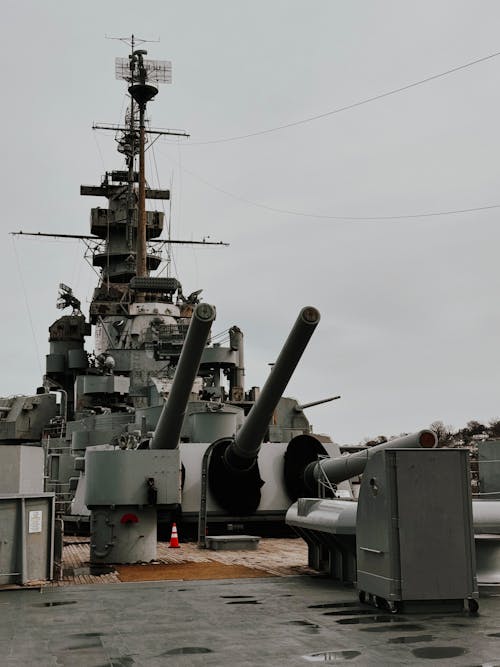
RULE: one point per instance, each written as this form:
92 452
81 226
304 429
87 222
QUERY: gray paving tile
212 623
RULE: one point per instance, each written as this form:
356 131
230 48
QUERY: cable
347 107
152 156
346 218
25 293
99 151
220 334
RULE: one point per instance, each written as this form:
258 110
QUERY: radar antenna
66 299
140 74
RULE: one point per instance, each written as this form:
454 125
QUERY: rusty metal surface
274 557
190 571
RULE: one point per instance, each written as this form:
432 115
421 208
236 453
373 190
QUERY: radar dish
157 71
66 298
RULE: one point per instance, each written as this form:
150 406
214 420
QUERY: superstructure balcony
102 219
120 262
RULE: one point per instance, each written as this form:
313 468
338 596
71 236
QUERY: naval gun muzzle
345 467
234 476
168 429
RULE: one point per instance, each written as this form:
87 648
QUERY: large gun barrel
233 472
168 429
244 450
345 467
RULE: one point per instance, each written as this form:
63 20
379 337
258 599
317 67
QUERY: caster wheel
393 607
362 597
473 606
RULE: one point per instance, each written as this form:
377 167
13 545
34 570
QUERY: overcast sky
410 322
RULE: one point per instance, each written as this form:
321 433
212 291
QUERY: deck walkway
274 557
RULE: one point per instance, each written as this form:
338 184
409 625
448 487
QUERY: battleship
156 426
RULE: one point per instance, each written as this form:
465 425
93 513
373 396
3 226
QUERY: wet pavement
273 621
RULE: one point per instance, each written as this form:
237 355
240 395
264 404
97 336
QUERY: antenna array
157 71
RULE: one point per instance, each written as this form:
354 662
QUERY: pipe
168 429
339 469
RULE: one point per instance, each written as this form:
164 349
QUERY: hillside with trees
448 437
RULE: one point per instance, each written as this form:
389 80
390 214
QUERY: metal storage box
414 528
21 469
232 542
27 537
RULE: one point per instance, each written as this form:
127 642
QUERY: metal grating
158 71
153 284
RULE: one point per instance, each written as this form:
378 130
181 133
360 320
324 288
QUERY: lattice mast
140 74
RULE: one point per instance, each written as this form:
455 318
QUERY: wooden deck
274 557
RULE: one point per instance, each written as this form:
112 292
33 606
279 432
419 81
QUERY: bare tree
444 434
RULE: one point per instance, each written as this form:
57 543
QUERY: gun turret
233 474
168 429
345 467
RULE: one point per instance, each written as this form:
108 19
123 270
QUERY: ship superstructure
111 398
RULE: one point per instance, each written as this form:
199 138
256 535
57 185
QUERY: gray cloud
409 329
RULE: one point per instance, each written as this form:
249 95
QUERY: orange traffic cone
174 538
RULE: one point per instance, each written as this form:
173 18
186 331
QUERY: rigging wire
223 342
94 134
347 107
345 218
170 250
85 257
77 267
224 332
179 163
170 254
154 166
221 338
25 293
125 97
178 201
